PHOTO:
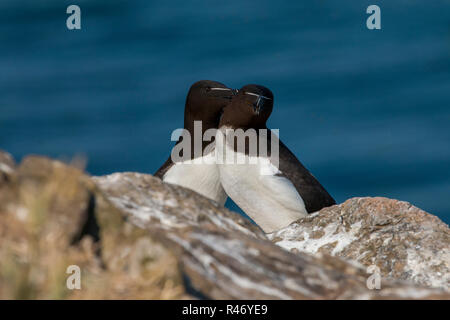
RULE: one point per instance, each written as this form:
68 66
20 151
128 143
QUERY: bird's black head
250 108
261 98
205 101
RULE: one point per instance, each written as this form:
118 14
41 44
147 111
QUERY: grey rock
7 163
135 237
403 241
225 258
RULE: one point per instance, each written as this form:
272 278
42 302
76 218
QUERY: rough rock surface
403 241
136 237
51 217
226 257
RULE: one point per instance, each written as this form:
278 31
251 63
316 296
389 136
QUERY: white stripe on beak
257 95
221 89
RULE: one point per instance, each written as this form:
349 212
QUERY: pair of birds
285 193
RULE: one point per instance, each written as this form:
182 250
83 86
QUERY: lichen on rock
405 242
52 216
135 237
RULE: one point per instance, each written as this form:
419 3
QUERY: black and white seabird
204 103
285 192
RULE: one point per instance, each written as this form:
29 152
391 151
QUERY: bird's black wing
164 168
312 192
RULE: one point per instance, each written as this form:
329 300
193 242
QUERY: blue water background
368 112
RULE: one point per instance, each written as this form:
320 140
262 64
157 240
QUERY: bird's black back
312 192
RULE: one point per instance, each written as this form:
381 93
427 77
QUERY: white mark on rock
5 168
342 239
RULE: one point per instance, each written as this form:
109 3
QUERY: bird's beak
258 105
228 93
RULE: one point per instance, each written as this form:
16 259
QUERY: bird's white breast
200 175
270 200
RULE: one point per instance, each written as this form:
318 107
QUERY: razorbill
272 194
198 172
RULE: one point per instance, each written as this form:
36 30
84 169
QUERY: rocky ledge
402 241
135 237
